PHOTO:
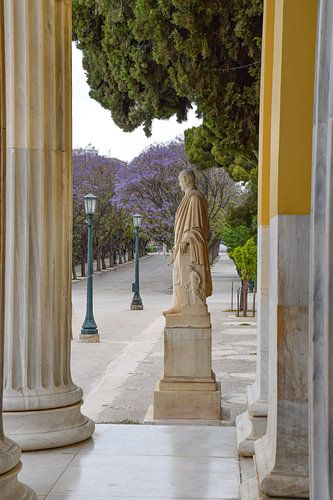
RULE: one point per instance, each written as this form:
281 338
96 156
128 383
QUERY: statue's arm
193 223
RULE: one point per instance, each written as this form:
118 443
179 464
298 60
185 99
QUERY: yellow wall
292 106
265 113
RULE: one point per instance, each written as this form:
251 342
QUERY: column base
256 407
44 429
136 307
187 400
249 429
10 466
86 337
12 489
273 483
249 491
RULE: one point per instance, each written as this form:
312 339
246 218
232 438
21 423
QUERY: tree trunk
213 251
142 247
111 258
98 260
74 271
83 264
130 252
103 261
244 296
121 257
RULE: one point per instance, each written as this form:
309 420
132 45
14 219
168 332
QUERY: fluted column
321 270
251 424
10 465
41 402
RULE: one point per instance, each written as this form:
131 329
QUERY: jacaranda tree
112 226
149 185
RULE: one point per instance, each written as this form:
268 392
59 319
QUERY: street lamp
136 300
89 332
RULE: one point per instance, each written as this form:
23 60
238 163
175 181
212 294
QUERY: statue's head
187 180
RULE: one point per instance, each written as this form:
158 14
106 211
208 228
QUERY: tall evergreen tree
149 59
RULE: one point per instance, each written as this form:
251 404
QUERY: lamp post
89 332
136 300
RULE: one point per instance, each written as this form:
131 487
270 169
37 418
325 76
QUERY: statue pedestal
188 389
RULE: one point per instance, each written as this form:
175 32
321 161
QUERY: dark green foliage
150 59
234 236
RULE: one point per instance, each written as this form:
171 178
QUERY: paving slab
134 461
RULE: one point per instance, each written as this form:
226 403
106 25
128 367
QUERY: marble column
10 464
251 425
321 270
281 456
41 403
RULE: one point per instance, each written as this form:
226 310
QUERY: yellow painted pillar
251 425
282 455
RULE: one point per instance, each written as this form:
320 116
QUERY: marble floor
139 462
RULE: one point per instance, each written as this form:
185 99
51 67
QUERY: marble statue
188 388
192 281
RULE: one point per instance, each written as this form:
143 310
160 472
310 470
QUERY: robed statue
188 388
192 281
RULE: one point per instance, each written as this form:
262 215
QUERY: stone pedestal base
188 353
43 429
188 389
249 429
136 307
85 337
273 482
187 400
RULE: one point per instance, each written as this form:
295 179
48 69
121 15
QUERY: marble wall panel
281 456
321 270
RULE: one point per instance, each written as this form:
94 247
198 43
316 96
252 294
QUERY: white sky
93 124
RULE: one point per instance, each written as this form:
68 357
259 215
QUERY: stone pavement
131 462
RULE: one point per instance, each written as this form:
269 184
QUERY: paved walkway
119 374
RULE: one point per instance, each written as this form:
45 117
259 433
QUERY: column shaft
251 425
321 271
38 242
10 453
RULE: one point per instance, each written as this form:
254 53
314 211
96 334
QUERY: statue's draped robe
191 225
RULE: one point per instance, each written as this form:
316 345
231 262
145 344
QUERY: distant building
88 151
